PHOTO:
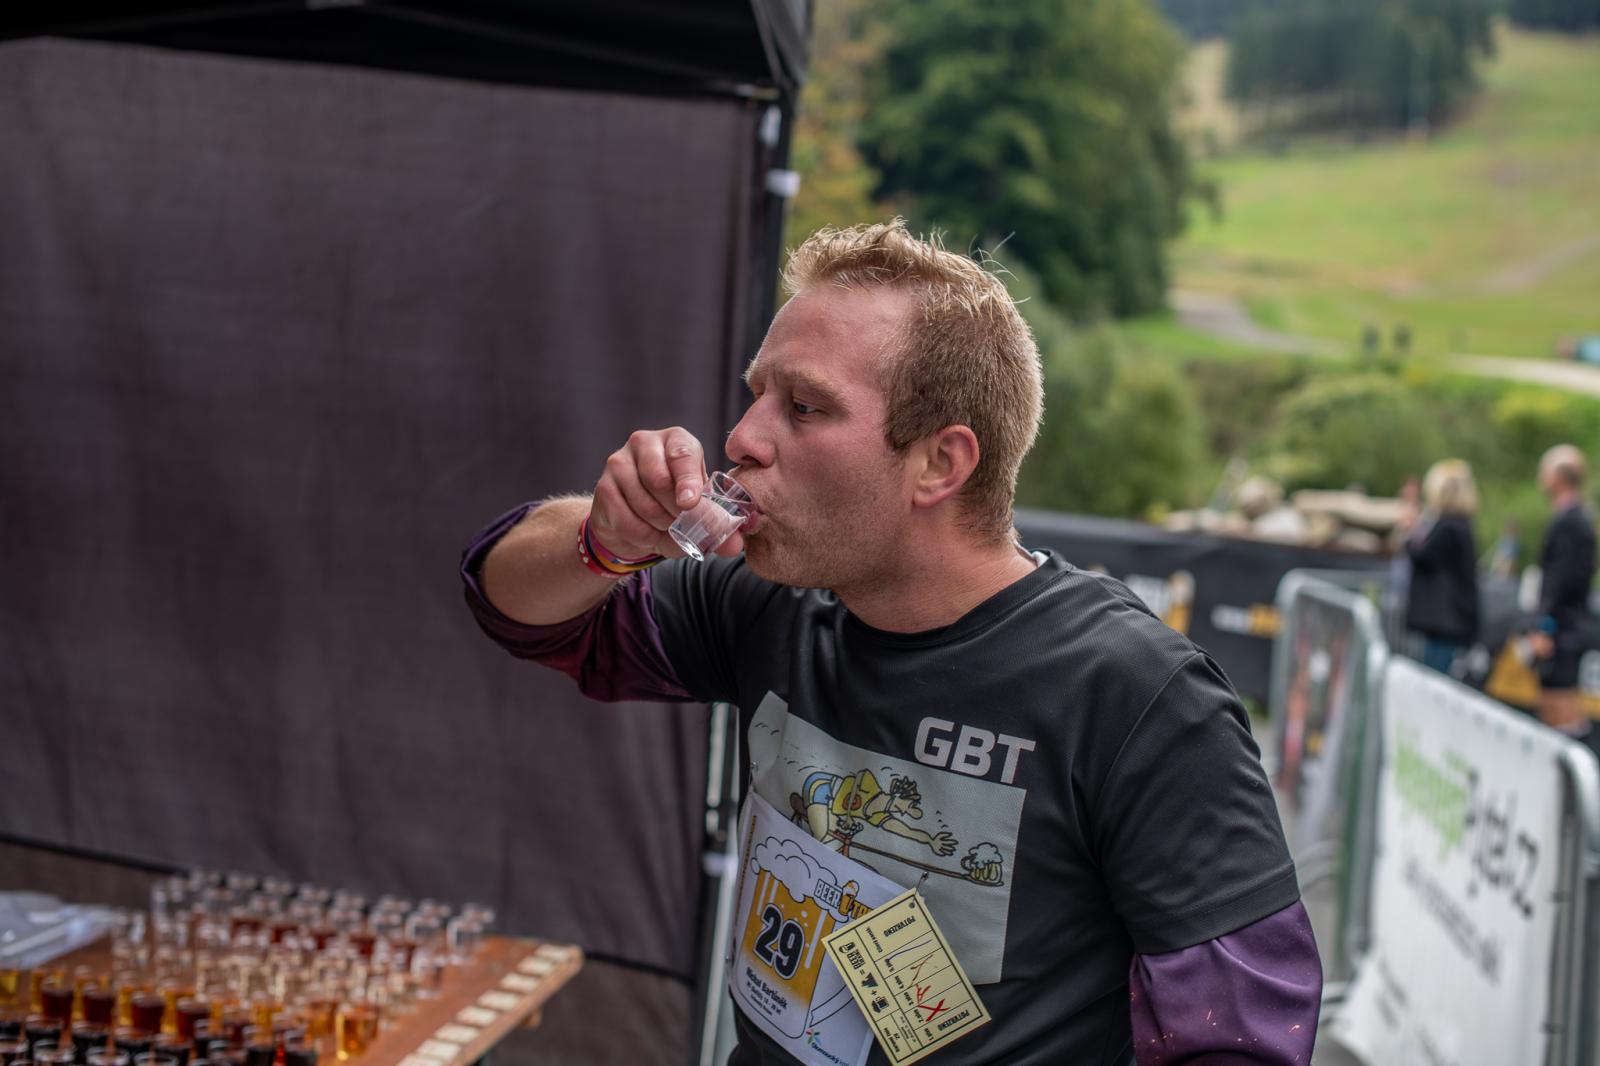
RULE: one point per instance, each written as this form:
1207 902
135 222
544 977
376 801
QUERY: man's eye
802 408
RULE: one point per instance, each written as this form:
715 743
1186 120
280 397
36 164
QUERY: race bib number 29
794 891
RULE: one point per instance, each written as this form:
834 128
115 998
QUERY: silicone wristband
595 553
587 555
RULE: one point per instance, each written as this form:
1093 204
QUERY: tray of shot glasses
234 970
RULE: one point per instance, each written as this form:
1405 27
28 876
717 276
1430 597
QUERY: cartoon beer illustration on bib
793 892
782 940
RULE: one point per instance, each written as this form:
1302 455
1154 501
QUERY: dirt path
1574 377
1226 318
1223 316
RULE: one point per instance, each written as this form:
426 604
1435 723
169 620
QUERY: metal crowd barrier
1326 706
1335 853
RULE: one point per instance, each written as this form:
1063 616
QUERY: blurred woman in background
1443 600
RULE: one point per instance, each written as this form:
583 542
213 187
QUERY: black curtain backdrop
275 340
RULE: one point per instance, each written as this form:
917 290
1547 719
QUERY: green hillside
1484 239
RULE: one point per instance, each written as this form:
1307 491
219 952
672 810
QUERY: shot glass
174 1047
149 1008
99 1003
54 1055
300 1053
87 1036
717 515
260 1048
355 1026
127 1039
188 1012
38 1029
13 984
55 1001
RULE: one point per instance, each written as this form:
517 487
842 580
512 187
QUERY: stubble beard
817 558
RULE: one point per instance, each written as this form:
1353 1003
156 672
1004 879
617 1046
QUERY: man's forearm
533 574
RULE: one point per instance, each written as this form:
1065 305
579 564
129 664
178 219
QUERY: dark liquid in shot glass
40 1031
190 1011
130 1039
146 1011
55 1001
99 1004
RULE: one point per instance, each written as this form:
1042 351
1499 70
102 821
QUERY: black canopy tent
743 50
737 47
293 297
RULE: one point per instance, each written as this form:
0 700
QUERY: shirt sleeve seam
1179 919
1139 720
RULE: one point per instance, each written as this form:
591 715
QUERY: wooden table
502 960
479 1004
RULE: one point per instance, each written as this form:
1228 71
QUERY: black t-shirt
1094 770
1567 561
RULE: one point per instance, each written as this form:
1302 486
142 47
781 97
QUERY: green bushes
1332 426
1364 429
1122 435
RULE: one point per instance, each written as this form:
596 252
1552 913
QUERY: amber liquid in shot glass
170 995
12 982
320 1011
355 1027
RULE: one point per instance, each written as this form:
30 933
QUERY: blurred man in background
1567 562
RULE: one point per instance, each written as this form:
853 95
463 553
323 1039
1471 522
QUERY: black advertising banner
1217 590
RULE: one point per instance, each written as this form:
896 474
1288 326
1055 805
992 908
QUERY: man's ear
948 459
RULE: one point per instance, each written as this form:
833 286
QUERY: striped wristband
600 560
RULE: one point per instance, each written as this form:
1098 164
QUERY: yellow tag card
904 977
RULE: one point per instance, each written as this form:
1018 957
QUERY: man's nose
748 445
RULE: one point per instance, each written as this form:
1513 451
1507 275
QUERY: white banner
1463 912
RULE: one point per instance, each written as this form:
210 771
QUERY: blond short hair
1566 463
965 356
1448 488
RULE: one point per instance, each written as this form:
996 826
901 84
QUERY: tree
1199 19
1121 436
836 184
1365 62
1043 124
1570 16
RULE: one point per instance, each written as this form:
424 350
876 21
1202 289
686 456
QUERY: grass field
1484 239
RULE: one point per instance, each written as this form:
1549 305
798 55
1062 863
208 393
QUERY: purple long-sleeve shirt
1248 997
